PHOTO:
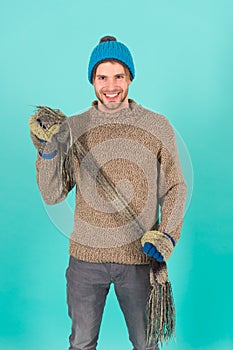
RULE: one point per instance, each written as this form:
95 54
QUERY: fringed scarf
160 306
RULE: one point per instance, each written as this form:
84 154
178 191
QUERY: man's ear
129 80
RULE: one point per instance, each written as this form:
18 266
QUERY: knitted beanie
110 48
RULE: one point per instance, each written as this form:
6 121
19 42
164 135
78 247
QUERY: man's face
111 84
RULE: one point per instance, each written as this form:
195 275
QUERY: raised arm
50 133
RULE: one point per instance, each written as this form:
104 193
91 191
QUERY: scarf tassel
160 313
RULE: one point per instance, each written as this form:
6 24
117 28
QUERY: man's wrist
41 140
48 155
160 241
171 238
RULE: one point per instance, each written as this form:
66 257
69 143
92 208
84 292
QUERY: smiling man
111 82
114 241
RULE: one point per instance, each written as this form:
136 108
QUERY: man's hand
45 122
152 251
49 131
157 245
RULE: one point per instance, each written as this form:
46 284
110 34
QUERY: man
117 230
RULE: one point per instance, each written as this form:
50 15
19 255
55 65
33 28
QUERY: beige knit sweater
136 148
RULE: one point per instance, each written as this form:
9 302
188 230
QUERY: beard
112 105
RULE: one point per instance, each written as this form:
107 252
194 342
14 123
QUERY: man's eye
101 77
120 76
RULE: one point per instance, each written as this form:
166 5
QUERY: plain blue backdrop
183 56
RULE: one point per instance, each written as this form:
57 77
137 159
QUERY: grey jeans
87 288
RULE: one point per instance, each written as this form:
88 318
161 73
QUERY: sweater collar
124 113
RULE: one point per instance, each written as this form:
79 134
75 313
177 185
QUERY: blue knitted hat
110 48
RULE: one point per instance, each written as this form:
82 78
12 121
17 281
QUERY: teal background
183 56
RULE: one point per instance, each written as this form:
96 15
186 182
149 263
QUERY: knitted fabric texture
45 122
160 306
50 134
41 145
161 315
110 50
114 240
162 243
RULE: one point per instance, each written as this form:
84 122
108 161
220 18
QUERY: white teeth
111 95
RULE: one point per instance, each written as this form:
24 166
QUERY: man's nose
110 84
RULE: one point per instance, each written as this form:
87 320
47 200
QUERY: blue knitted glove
151 251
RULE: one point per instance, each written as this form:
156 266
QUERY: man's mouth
111 95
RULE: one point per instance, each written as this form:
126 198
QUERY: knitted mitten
47 129
157 245
44 124
42 145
